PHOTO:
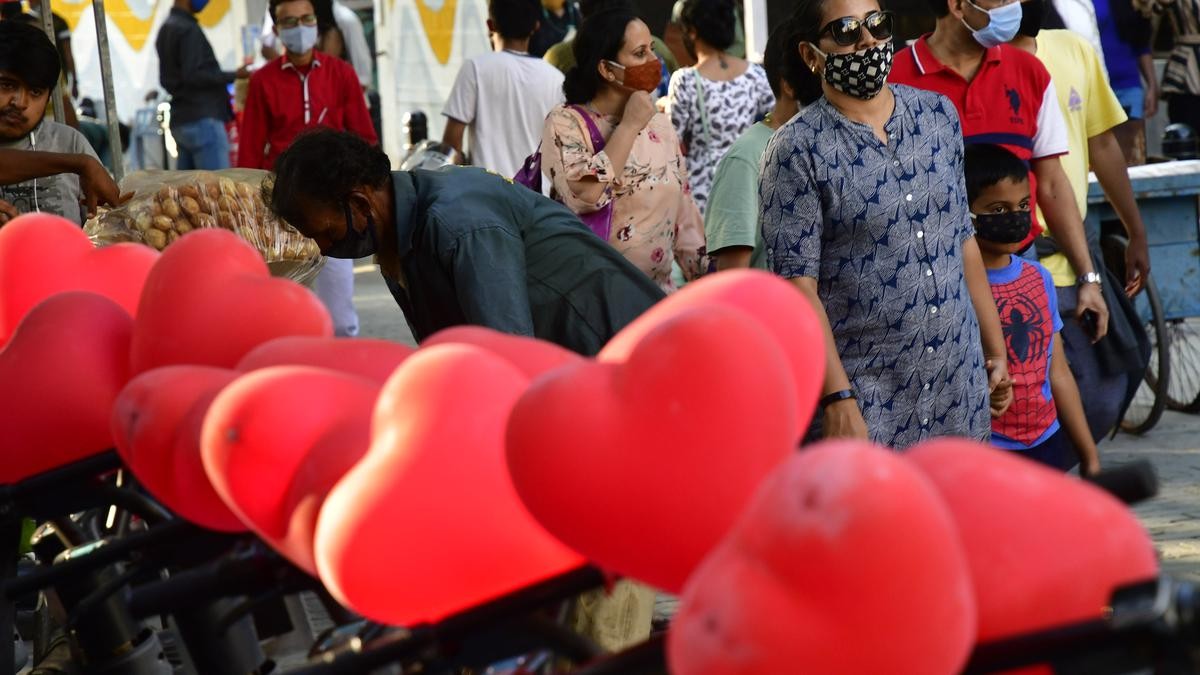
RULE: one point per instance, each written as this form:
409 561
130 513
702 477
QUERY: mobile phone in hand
1089 321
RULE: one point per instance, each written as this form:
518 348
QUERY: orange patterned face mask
644 77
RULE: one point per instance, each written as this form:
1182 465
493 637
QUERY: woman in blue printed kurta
864 208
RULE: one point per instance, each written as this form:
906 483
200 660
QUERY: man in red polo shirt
1005 96
301 90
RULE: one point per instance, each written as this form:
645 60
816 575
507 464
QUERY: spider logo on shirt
1024 331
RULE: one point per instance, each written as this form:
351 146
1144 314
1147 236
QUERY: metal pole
110 102
56 97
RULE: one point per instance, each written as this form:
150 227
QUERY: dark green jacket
477 249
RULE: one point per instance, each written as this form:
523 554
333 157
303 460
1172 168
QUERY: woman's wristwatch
829 399
1089 278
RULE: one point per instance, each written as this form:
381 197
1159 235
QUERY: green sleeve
561 56
731 218
664 53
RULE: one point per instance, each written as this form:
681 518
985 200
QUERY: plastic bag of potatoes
168 204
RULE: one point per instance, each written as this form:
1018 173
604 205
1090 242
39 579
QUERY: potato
212 189
205 220
156 238
172 237
228 187
189 205
247 191
227 203
226 220
170 207
189 191
183 226
163 223
166 193
155 208
142 221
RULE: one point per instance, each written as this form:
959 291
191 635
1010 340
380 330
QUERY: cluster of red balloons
417 484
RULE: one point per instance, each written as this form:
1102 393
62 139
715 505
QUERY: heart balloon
1045 549
374 360
61 372
846 561
210 300
43 254
615 459
531 356
276 440
428 523
156 424
774 303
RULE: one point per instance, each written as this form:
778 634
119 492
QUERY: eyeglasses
293 21
847 30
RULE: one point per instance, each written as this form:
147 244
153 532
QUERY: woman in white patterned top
720 97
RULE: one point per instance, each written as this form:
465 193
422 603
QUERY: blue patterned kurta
881 227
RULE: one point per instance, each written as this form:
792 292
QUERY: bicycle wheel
1150 400
1183 394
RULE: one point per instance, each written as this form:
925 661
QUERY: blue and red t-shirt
1028 307
1010 101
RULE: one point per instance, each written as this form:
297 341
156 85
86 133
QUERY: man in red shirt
301 90
1004 96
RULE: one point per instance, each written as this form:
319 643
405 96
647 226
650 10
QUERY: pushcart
1168 197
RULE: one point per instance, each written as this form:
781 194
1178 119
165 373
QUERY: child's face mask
1003 228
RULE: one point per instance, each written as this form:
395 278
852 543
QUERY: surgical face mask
355 244
198 5
860 74
299 40
1003 228
1003 23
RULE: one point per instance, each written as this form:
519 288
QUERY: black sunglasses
847 30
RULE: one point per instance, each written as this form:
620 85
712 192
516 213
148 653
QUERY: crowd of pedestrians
860 169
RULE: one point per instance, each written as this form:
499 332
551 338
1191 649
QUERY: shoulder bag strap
593 131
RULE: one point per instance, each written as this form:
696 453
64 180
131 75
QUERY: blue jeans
1133 100
202 144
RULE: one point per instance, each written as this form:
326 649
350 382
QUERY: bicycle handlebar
1131 483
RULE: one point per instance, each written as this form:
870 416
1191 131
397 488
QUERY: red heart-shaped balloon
276 440
374 360
776 304
530 355
156 423
846 561
61 372
428 523
615 459
43 254
210 300
1045 549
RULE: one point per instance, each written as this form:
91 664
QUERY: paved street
1173 518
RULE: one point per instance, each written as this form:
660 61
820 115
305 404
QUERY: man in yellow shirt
1092 111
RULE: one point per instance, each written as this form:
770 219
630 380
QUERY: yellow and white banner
421 44
132 28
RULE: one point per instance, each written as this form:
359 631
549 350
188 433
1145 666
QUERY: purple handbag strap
597 138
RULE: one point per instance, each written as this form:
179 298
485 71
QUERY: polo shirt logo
1074 101
1014 104
1014 100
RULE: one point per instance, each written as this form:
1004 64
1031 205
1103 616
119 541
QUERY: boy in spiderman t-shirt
1046 417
